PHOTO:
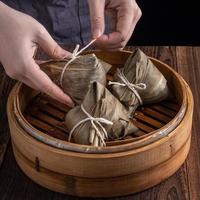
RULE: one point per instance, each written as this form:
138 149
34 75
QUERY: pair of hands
20 34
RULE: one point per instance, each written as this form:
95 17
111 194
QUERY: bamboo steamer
130 165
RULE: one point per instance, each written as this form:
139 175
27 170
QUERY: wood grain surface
183 185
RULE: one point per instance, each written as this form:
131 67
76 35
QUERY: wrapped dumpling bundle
139 82
80 73
100 117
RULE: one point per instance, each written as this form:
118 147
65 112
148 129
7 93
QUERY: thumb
97 17
49 45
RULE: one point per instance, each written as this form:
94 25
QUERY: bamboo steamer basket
134 164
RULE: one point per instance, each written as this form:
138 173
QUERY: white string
75 55
131 86
93 120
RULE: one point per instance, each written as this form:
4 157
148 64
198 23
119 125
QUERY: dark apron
66 20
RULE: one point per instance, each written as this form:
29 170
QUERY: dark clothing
162 22
67 21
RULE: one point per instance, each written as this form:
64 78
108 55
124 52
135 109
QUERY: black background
168 22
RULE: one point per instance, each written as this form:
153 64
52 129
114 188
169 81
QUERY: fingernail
96 34
71 105
62 53
66 54
69 102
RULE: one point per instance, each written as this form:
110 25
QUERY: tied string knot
93 120
75 55
133 87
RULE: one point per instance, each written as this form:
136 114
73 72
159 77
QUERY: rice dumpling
80 73
100 117
139 82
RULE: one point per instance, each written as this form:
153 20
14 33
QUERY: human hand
19 36
123 15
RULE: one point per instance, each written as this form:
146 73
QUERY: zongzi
100 117
80 73
139 82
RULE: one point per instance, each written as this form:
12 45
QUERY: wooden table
184 184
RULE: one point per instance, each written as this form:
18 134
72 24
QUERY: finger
123 26
39 62
49 45
96 8
29 83
125 17
112 18
136 18
126 22
105 43
109 41
46 85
